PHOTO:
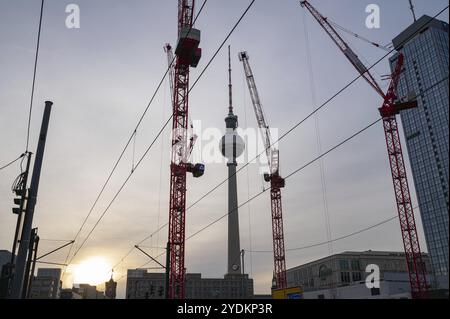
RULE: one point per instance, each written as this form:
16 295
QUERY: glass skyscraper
426 69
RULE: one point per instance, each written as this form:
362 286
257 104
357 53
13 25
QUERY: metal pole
146 254
26 279
167 270
55 250
243 273
19 216
32 196
33 266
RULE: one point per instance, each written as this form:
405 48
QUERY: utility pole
20 190
31 264
31 203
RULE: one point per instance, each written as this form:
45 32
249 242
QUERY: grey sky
102 76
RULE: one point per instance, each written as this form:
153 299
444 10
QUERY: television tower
232 146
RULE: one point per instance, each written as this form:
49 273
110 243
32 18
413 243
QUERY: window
356 276
343 264
355 264
345 277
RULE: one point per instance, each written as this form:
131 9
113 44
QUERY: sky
101 77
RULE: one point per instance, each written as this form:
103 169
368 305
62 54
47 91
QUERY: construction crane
188 55
276 181
171 72
388 111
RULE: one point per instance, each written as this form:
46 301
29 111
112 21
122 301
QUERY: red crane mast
187 55
388 112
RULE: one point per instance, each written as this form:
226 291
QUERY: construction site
210 150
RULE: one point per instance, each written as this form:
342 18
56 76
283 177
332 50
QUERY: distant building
5 272
5 257
110 289
88 292
348 269
426 69
144 285
69 294
47 284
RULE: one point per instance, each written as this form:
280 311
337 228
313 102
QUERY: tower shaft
234 250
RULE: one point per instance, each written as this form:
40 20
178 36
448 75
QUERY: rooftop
417 27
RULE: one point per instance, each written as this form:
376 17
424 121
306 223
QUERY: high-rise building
426 69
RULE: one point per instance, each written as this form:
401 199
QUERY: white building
392 286
343 275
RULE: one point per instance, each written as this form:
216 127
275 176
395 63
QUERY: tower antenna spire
411 6
230 86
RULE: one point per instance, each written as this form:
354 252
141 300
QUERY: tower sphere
232 145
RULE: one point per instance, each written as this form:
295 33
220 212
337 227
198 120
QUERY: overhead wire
295 126
130 139
119 191
287 177
311 162
335 239
12 162
166 123
382 47
385 221
36 57
326 213
311 114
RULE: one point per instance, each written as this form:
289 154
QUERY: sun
93 271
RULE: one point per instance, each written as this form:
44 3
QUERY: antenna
230 94
411 6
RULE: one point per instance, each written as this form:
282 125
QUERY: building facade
47 284
5 272
426 69
393 286
87 291
144 285
5 257
347 268
69 294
